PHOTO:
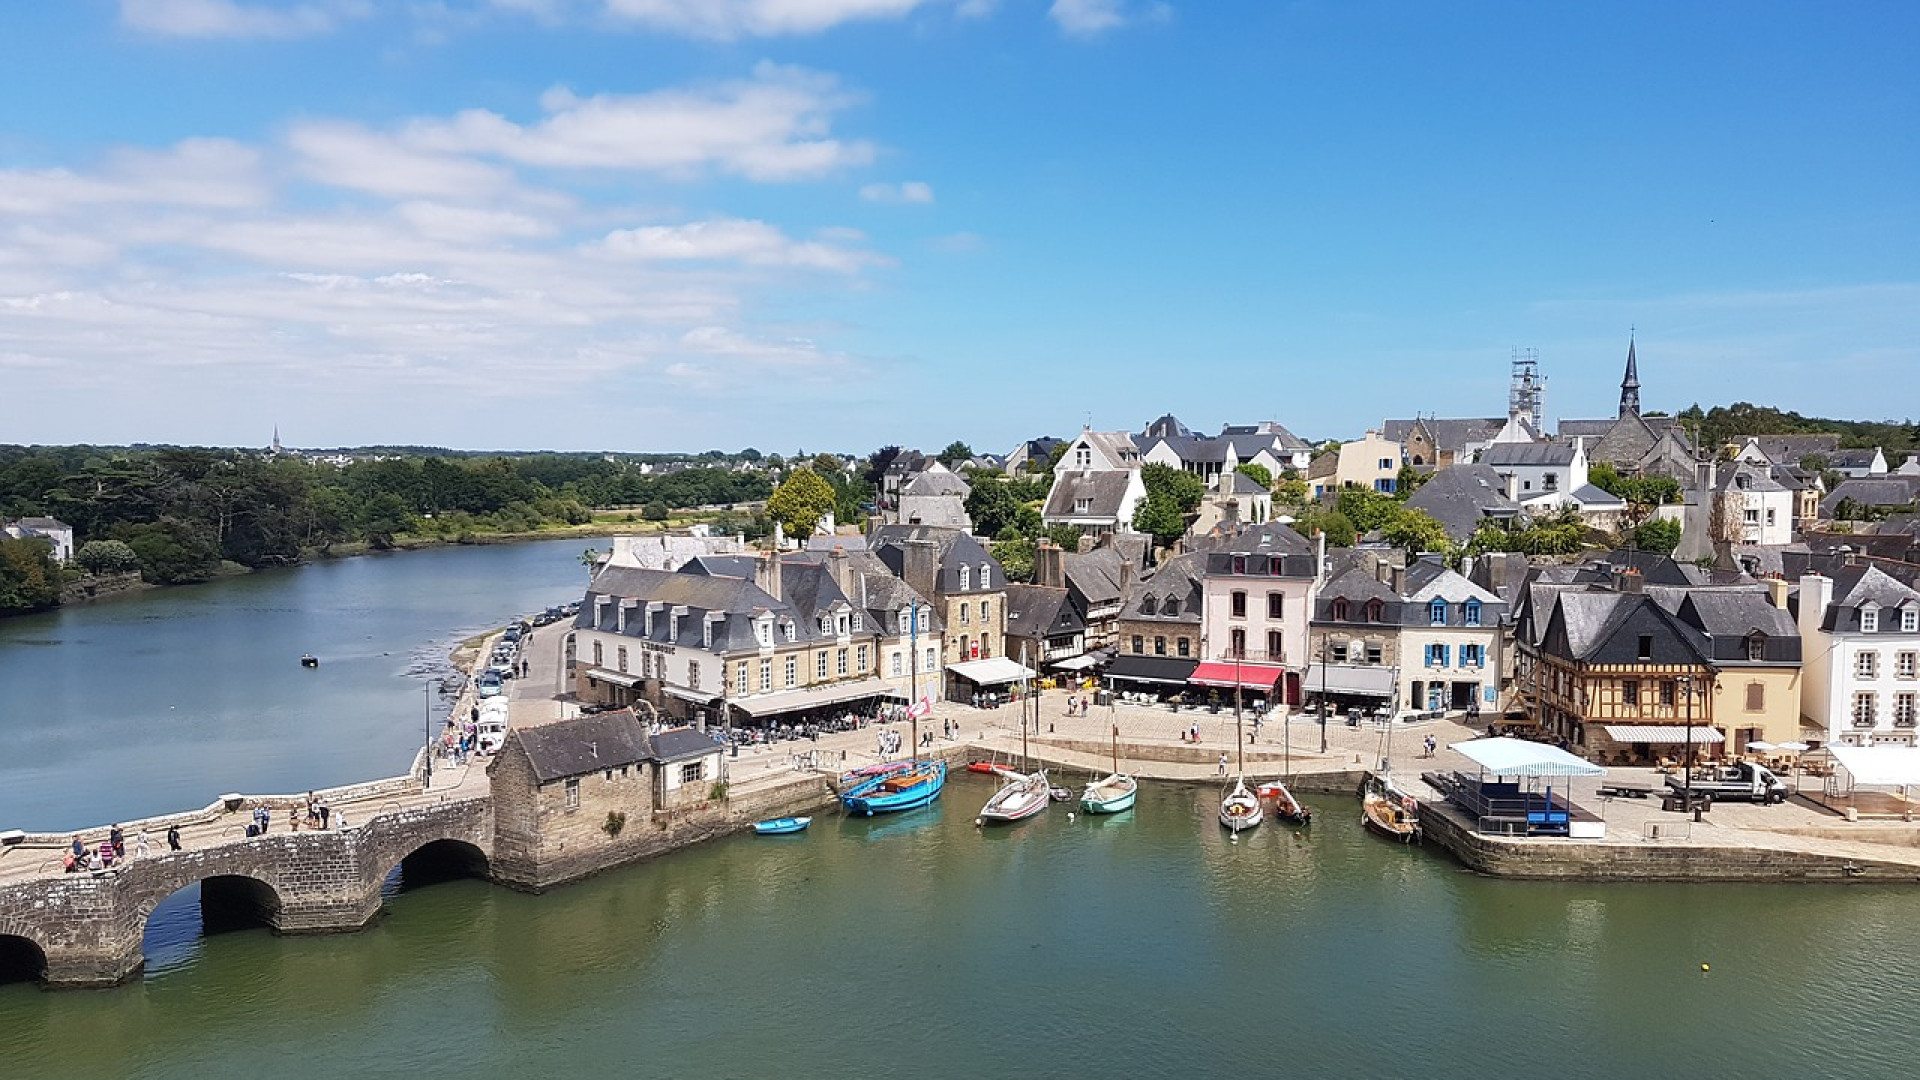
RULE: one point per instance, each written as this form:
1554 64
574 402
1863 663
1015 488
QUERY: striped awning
617 678
1675 734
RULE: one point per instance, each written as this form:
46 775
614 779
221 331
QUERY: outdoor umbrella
1763 747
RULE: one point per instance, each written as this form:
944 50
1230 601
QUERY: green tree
657 511
955 453
992 506
1258 473
1409 480
1316 519
1416 532
1368 510
1065 537
1160 517
107 557
1181 489
800 501
29 578
172 551
1290 490
1015 555
1657 536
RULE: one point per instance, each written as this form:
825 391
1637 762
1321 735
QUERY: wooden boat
1239 809
1018 799
1114 793
982 767
1285 806
782 826
1389 811
912 787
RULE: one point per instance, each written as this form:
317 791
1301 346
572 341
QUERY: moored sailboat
1389 811
1285 807
1115 792
1021 797
1239 809
906 789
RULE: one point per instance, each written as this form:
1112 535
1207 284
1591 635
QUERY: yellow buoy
1704 967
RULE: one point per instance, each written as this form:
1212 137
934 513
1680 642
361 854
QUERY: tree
1015 555
1258 473
657 511
1318 519
1160 517
955 453
1409 480
1657 536
877 463
1182 489
1368 510
107 557
1290 490
1416 531
29 578
800 501
1065 537
992 506
172 551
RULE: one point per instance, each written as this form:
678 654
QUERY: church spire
1630 386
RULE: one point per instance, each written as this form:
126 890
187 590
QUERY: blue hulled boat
782 826
903 790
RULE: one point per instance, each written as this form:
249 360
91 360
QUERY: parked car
489 684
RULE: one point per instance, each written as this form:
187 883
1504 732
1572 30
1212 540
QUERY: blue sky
680 224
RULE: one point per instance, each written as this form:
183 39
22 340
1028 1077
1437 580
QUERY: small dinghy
309 660
782 826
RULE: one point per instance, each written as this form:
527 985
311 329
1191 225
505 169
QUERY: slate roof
1589 428
680 744
1543 453
937 483
1591 497
1356 586
1240 483
1757 478
1037 611
1853 458
1258 545
1452 435
41 524
955 547
1789 449
1461 497
1095 576
1178 577
734 599
1105 490
584 744
1729 617
1856 586
1603 627
1878 491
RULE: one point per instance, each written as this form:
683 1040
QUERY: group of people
314 815
889 741
459 741
112 851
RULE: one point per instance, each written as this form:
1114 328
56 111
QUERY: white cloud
754 243
910 191
231 19
194 172
753 18
1090 18
347 155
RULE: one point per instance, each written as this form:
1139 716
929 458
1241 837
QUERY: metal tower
1526 396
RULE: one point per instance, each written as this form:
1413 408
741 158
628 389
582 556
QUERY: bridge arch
22 959
444 859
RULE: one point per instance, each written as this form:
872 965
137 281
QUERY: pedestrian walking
173 838
1431 745
118 841
140 847
1223 763
325 812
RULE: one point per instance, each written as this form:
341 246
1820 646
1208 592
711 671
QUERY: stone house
1097 581
1157 633
1755 649
579 795
956 574
1860 630
1267 444
1431 443
1423 638
937 496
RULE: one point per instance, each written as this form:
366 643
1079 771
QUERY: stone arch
441 859
228 901
22 959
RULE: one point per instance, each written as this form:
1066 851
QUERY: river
162 701
1144 944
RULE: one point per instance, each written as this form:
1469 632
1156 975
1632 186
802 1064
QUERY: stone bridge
86 929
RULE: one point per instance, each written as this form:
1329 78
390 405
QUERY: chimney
1320 555
1513 486
1049 565
837 565
766 574
1777 592
1629 580
1398 583
920 566
1816 592
1383 571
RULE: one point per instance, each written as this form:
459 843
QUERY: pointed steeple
1630 386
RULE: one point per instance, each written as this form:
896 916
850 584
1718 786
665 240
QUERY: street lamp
1686 687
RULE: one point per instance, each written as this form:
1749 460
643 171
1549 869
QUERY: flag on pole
920 708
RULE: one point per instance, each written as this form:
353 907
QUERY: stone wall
100 586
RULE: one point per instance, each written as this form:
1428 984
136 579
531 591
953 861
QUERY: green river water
920 946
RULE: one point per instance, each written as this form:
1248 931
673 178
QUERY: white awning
1880 766
1075 663
1675 734
1518 757
1364 680
812 696
617 678
697 697
991 672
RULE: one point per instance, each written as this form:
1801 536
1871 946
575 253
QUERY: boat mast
1026 759
913 676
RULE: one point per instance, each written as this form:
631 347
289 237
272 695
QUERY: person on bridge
173 838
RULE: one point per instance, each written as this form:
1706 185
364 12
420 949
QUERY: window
1752 515
1866 665
1374 653
1083 457
620 656
1903 709
763 632
766 675
1473 656
1903 665
840 662
1239 605
1374 608
1149 606
1274 648
1437 613
1340 609
693 772
986 611
986 575
966 578
860 659
1869 620
963 613
1386 463
1910 621
986 646
840 626
1337 652
1139 645
820 664
1550 482
1646 647
1863 709
1276 566
787 629
1756 646
858 623
932 659
896 665
1667 689
1771 517
1159 646
793 671
599 654
1470 612
1237 642
573 793
1756 697
1184 647
693 674
1239 564
1083 506
1630 692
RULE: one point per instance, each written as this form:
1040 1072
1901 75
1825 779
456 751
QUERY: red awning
1251 676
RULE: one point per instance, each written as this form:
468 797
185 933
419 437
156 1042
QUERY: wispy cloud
233 19
910 191
1091 18
726 19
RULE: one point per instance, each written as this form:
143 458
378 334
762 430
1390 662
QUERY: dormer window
788 627
1869 620
1083 506
1374 609
1437 613
966 578
1149 606
1743 481
1239 564
840 626
826 624
1275 566
1083 457
1909 621
1470 612
1756 646
858 623
1171 607
763 631
986 575
1340 609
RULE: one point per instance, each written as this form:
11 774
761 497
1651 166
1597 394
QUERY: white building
1542 476
1860 643
53 530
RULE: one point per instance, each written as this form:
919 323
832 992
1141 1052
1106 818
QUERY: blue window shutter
1446 652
